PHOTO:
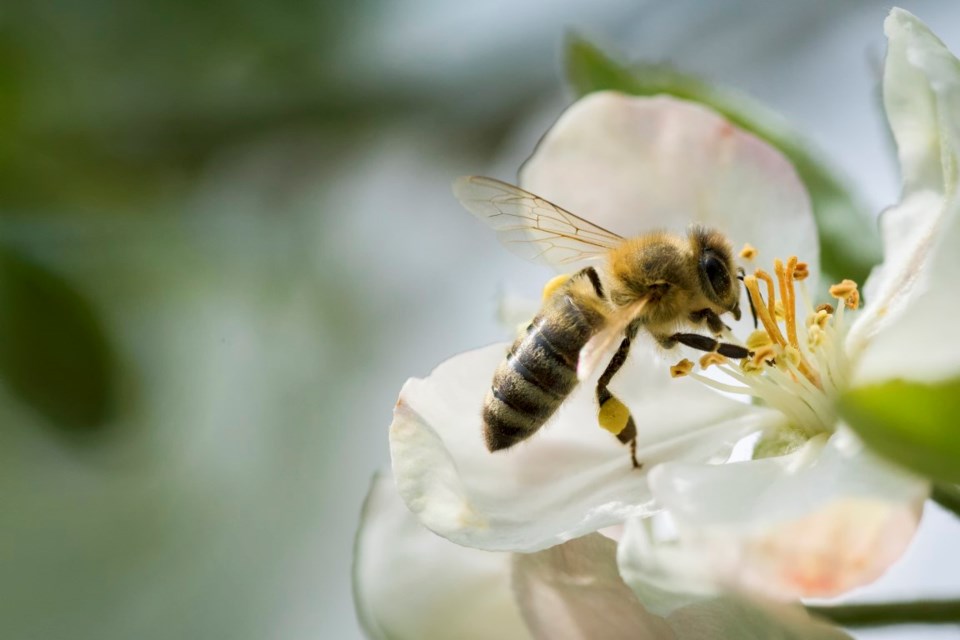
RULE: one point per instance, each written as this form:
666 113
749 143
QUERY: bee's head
716 271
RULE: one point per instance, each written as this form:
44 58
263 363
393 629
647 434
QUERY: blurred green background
227 238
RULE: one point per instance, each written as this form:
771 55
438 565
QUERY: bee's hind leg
614 415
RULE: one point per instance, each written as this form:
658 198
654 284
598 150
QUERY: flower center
797 364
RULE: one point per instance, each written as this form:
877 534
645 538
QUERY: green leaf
849 240
54 354
911 423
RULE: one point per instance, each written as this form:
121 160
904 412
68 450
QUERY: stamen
758 339
771 291
785 279
711 359
682 368
801 378
749 252
720 386
820 318
763 355
765 313
779 312
785 275
815 335
846 291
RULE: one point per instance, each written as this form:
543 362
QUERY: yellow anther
853 300
613 416
758 339
819 319
711 359
825 307
764 355
749 252
681 369
846 291
749 366
801 271
554 284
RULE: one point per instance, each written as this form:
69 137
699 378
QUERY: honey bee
658 282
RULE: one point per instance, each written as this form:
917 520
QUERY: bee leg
614 415
704 343
713 321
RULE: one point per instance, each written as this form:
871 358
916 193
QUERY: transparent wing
605 340
531 227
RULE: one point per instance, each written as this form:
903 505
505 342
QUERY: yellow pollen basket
613 416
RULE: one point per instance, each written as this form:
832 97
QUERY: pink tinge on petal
847 544
635 164
817 522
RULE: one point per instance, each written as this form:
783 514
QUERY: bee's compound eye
716 274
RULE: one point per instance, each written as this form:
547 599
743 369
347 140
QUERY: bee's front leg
704 343
712 320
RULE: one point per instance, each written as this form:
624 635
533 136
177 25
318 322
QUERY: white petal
569 479
910 298
906 334
920 96
814 523
674 583
634 164
573 592
664 575
411 584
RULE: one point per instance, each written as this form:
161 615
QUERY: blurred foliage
911 423
118 109
849 240
107 106
54 353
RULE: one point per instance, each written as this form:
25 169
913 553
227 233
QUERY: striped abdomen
539 373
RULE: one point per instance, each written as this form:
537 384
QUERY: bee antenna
741 274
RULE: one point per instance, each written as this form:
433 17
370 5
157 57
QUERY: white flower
815 514
831 516
412 584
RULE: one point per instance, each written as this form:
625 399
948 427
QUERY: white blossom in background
813 513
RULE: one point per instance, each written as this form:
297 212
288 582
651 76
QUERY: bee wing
592 353
531 227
